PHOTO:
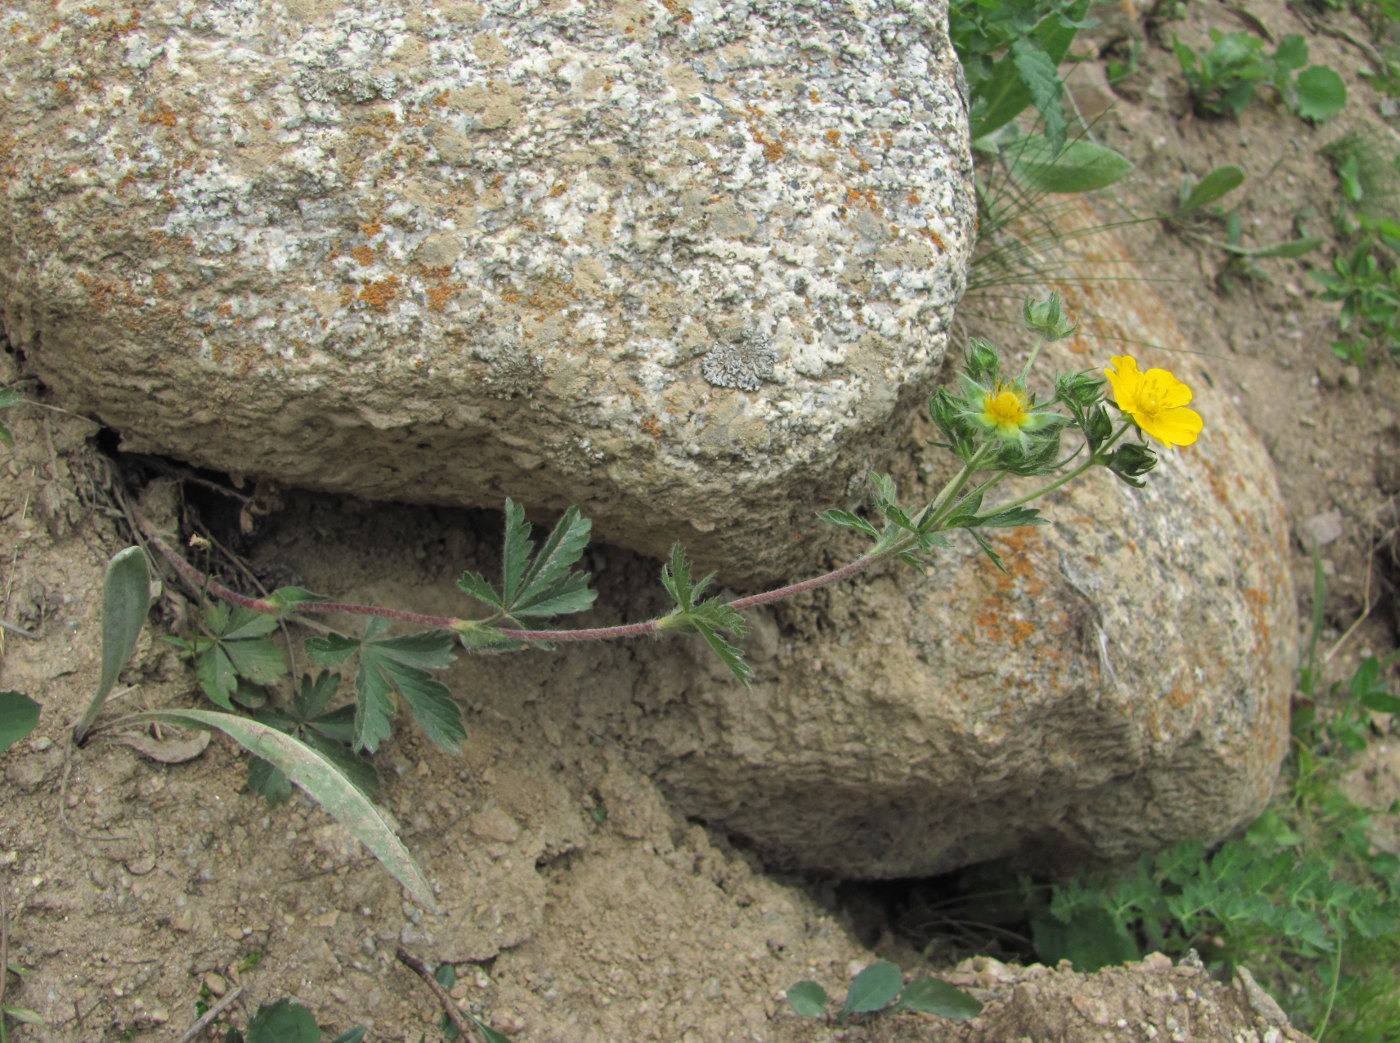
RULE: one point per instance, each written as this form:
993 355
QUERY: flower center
1150 397
1005 407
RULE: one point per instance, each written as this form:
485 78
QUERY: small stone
1351 377
215 983
494 824
182 920
1320 529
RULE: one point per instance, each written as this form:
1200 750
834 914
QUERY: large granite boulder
1125 685
685 264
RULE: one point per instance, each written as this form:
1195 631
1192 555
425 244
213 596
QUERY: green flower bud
1039 455
1130 462
1047 318
1083 390
983 364
1097 427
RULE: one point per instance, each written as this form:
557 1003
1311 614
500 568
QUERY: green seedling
1369 293
20 1015
880 989
446 976
286 1021
8 397
1223 80
234 646
1194 203
19 715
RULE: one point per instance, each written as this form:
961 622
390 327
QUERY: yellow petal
1176 393
1173 427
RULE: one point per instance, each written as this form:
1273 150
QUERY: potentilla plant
994 422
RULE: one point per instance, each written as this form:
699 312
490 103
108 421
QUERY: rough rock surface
681 263
1123 687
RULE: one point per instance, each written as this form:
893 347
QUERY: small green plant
285 1021
1193 216
994 425
8 397
1010 52
1223 79
1365 279
880 990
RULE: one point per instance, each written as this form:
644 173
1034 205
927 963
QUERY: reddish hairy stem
651 626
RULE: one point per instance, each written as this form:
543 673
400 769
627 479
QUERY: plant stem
1068 476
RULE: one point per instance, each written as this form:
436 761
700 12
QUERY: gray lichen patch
745 362
254 198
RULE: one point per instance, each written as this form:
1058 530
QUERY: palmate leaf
396 664
711 619
537 585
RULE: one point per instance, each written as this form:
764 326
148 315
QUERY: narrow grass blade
323 781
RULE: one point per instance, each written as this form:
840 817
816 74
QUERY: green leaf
1293 248
374 708
428 700
283 1022
1292 53
320 778
10 397
216 676
1219 182
1091 940
261 660
550 575
359 770
314 695
445 975
268 780
19 715
516 552
288 598
938 997
987 549
475 585
847 520
354 1035
1321 93
331 650
487 1032
1012 518
1042 81
244 623
426 649
1081 166
708 618
808 999
126 600
874 988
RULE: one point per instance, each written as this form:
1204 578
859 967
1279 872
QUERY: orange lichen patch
559 189
163 115
866 196
378 294
369 231
651 426
439 296
913 199
363 254
1178 698
678 11
772 151
833 136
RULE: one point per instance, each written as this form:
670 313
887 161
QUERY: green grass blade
322 781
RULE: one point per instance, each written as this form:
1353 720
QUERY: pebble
1321 529
1351 377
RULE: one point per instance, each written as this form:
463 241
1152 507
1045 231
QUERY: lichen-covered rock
1125 685
682 262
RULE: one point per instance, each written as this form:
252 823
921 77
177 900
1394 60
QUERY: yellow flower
1005 410
1156 401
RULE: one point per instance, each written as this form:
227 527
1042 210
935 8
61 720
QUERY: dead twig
210 1014
420 968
